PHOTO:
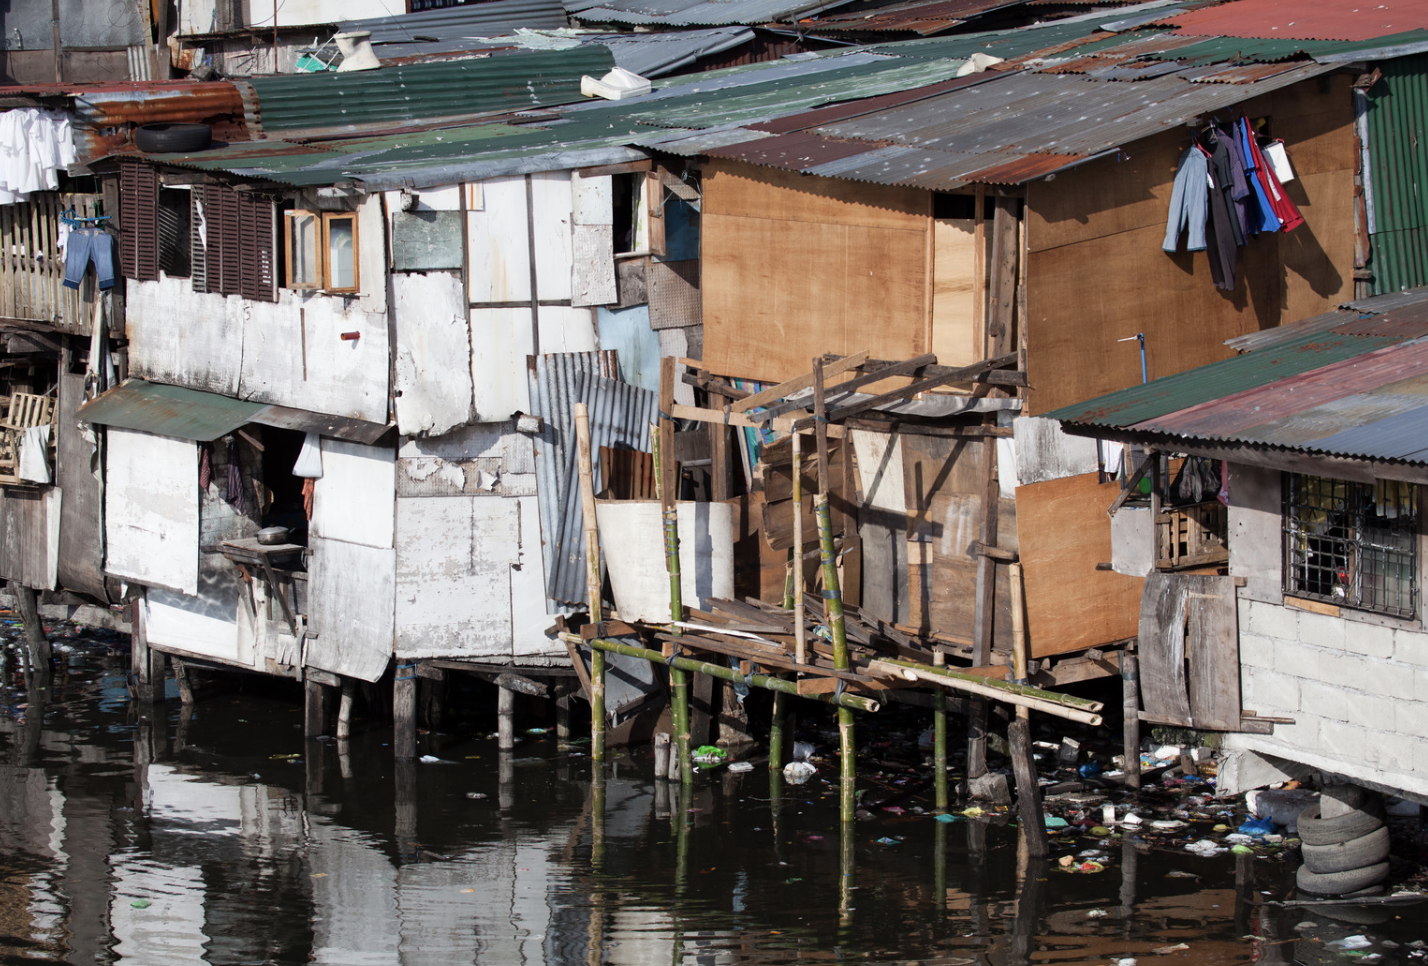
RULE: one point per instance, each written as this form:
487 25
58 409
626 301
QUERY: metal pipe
856 702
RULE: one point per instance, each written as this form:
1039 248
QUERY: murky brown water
220 836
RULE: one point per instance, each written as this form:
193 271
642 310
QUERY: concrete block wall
1357 691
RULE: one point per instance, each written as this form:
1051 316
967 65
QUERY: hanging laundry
34 146
1241 194
1259 209
1225 235
1189 202
1285 211
235 495
86 245
205 465
34 455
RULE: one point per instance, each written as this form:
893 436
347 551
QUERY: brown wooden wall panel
1063 532
793 272
956 323
1096 271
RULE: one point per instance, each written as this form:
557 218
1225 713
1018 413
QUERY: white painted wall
151 510
500 341
433 331
353 499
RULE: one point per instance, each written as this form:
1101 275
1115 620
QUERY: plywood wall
1064 532
957 319
1096 272
795 267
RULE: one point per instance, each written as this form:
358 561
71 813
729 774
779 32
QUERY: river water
219 835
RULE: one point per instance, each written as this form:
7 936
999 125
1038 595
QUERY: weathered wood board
81 536
1063 533
352 600
433 328
1189 650
956 337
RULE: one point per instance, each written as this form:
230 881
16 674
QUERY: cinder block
1270 691
1321 629
1377 716
1302 661
1345 670
1325 700
1274 620
1341 740
1303 734
1410 718
1370 640
1393 752
1411 647
1384 679
1257 651
1420 758
1420 684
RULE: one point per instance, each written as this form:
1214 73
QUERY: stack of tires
1346 852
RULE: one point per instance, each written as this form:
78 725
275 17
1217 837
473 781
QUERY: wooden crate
1192 536
23 410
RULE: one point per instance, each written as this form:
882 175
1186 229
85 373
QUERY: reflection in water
217 834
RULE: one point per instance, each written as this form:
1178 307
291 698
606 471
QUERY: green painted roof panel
152 407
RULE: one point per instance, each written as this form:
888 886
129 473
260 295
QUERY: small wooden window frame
289 277
327 219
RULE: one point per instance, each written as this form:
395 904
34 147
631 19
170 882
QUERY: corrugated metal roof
1269 49
152 407
657 54
620 417
1397 122
1358 389
517 80
1306 19
489 18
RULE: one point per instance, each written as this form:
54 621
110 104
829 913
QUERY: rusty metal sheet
1405 323
1026 168
1237 73
867 105
922 18
796 151
1305 19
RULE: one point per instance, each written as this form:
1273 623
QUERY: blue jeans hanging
86 245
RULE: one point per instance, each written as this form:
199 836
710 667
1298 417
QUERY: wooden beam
799 383
782 425
950 375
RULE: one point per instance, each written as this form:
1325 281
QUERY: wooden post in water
37 645
661 755
315 705
939 740
832 596
1130 704
404 706
140 664
562 721
776 732
1028 794
185 686
344 712
505 719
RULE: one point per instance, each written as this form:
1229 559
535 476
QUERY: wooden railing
32 263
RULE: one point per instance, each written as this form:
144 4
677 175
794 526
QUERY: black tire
172 138
1354 854
1314 830
1339 883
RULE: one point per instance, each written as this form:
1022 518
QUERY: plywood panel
944 495
956 337
1063 532
1213 649
731 188
80 566
432 328
151 510
353 499
205 622
29 536
779 293
550 206
453 591
500 341
498 243
352 596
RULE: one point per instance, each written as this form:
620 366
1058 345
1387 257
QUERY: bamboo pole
1018 634
776 732
1062 705
856 702
800 646
665 481
592 577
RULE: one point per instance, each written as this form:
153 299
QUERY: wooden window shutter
198 250
258 248
230 241
139 222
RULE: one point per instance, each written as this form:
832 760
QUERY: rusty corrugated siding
1305 19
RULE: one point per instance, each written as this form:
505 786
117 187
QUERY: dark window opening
284 507
1354 544
962 207
625 201
174 232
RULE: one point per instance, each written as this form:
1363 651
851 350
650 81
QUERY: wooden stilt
847 853
984 608
158 661
314 719
36 644
939 742
939 867
181 680
1130 703
562 721
800 648
139 663
404 787
585 457
505 719
661 755
404 708
344 712
776 733
1028 793
506 779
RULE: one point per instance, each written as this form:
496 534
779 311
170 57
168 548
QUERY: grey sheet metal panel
490 19
620 415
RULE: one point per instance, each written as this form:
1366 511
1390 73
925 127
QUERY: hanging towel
309 461
1284 209
309 489
235 479
34 455
1188 202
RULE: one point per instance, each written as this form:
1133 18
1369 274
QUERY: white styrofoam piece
1132 541
635 557
151 510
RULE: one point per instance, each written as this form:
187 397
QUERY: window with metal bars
1354 544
